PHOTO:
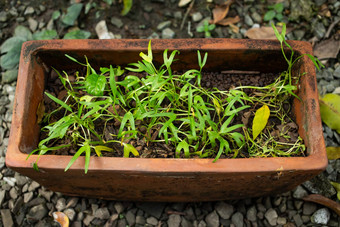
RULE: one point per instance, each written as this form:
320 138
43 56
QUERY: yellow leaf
61 218
337 188
333 153
330 111
260 120
40 111
98 150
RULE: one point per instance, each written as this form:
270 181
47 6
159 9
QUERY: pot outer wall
137 179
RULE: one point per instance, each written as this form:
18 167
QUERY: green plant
206 28
274 11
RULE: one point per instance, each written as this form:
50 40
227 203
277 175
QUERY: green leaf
64 105
95 84
77 34
75 156
269 15
277 34
333 153
224 146
99 148
337 188
127 117
128 148
13 44
87 157
127 6
45 35
23 32
200 29
330 111
183 145
278 7
55 14
260 120
10 60
72 14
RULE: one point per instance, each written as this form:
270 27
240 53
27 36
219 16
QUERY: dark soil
223 81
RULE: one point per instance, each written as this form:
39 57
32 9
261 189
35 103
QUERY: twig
331 27
175 212
187 13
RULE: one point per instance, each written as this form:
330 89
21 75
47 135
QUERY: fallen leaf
262 33
234 28
61 218
229 21
327 49
221 11
183 3
324 11
316 198
40 111
260 120
333 153
337 188
330 111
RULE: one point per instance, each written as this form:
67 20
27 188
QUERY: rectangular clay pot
165 179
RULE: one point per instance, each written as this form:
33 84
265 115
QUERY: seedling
274 11
206 28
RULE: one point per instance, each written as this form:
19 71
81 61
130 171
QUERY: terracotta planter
164 179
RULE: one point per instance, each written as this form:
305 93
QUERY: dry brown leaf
234 28
221 11
262 33
327 49
40 111
316 198
229 21
61 218
324 11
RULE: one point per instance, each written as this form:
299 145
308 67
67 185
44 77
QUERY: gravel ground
24 202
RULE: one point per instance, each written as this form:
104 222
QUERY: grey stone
212 219
281 221
152 221
225 210
154 35
320 2
299 192
308 208
321 216
28 196
94 206
251 213
154 209
87 220
9 76
178 15
70 213
2 159
201 224
305 219
197 16
34 185
20 180
130 218
119 207
112 221
2 196
32 24
72 202
29 10
10 181
174 220
299 34
122 223
336 72
186 223
248 20
298 204
163 25
320 185
46 194
3 16
189 214
117 22
297 219
140 220
35 202
6 217
237 219
271 216
168 33
256 17
61 204
301 8
277 201
319 30
261 207
37 213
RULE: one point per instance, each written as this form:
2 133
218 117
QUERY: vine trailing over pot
158 105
